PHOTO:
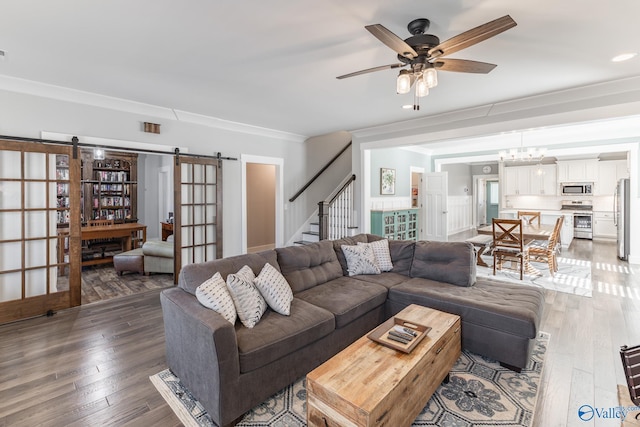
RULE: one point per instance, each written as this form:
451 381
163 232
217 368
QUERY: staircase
311 236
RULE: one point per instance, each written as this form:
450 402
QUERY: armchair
158 256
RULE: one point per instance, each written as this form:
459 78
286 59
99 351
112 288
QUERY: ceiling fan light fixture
431 77
403 84
422 88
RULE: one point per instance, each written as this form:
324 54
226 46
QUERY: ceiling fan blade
472 36
391 40
371 70
463 66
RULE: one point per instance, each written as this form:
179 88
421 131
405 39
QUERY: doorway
251 197
261 207
492 200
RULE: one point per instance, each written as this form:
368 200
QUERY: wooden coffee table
368 384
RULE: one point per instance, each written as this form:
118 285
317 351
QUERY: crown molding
30 87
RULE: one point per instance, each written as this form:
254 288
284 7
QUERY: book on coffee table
399 334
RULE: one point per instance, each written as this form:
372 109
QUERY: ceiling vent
151 127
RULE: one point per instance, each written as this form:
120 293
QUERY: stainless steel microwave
577 188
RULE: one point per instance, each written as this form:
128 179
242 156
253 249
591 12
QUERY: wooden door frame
51 301
177 199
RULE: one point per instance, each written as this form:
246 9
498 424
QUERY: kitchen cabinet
578 170
603 226
395 224
543 180
609 173
566 232
530 180
516 181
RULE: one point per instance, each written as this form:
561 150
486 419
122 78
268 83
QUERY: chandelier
530 154
424 80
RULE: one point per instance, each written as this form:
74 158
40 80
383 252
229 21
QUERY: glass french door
198 210
39 229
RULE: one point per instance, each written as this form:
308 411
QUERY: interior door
493 199
435 190
197 198
39 229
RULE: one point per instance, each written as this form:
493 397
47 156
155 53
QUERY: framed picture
387 181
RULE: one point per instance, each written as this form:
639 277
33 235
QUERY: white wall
26 115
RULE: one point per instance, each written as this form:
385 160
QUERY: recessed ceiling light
407 106
624 57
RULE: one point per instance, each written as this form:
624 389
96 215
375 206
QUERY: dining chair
530 217
508 244
547 250
631 365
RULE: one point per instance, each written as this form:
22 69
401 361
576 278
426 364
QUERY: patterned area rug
573 276
480 393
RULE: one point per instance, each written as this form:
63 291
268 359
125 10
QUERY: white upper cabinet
516 180
544 181
609 173
530 180
578 170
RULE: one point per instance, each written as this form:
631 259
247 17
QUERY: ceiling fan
423 54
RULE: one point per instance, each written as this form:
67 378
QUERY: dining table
530 232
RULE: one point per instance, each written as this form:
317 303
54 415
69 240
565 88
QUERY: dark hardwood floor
90 365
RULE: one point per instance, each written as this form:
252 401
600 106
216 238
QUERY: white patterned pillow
246 297
360 260
213 294
274 289
381 254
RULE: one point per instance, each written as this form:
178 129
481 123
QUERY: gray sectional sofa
231 368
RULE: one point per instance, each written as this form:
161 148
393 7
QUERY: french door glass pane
198 193
10 225
35 253
211 193
10 258
35 165
10 286
35 224
36 282
185 175
8 162
34 195
187 196
10 194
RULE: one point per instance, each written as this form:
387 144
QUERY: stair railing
336 214
324 168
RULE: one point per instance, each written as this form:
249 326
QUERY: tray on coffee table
381 334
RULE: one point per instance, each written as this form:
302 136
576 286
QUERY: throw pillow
246 297
360 260
213 294
274 289
381 254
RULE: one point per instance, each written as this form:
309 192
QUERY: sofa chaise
230 368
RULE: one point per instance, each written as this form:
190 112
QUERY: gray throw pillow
247 299
360 260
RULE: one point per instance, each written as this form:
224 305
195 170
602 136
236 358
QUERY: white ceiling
273 63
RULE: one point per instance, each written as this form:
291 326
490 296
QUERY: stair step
303 242
315 227
311 236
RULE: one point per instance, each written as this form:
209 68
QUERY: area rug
480 393
630 410
573 276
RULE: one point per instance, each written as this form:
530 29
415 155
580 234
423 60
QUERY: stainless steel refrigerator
622 217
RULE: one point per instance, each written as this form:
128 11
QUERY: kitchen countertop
542 212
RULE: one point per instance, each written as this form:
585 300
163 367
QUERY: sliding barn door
39 229
198 211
